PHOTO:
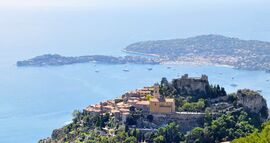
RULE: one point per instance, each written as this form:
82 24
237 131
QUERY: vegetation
215 127
168 134
193 103
170 90
90 128
257 137
184 105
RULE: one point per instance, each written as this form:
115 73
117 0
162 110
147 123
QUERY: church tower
156 91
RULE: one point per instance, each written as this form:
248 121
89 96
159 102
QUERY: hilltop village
149 101
184 105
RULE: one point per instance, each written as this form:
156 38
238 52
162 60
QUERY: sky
97 4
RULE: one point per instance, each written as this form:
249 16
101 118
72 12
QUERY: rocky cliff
252 101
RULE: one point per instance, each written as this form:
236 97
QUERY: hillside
201 113
214 49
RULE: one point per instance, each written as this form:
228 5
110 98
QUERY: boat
96 71
234 85
150 69
169 67
125 70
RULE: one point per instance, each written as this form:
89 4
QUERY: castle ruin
191 85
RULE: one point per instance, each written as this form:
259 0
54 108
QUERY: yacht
125 70
233 85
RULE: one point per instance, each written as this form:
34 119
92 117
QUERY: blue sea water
34 101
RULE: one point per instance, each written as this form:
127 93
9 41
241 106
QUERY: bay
34 101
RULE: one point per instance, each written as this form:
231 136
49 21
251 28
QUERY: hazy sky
95 4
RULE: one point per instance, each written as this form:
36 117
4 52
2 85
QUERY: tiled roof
143 103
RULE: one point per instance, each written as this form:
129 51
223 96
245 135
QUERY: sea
36 100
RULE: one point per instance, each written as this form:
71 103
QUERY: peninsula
58 60
209 49
204 49
187 109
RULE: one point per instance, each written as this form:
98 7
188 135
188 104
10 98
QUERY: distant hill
216 49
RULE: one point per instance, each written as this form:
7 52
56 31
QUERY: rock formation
252 101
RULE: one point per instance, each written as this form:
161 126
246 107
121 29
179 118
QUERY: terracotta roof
169 99
143 102
120 103
126 113
93 110
132 101
115 111
154 100
124 110
108 107
166 100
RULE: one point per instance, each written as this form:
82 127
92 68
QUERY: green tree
171 133
196 136
130 140
256 136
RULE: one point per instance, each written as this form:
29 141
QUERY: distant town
205 49
209 49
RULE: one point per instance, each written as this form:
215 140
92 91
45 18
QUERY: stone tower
156 91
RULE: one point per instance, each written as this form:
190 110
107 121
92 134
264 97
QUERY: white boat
233 85
125 70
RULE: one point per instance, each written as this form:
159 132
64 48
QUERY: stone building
191 85
160 104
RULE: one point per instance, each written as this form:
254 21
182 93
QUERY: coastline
195 63
178 62
139 53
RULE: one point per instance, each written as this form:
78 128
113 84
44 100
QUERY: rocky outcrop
252 101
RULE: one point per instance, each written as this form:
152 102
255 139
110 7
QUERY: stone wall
191 85
187 120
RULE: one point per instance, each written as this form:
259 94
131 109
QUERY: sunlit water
34 101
